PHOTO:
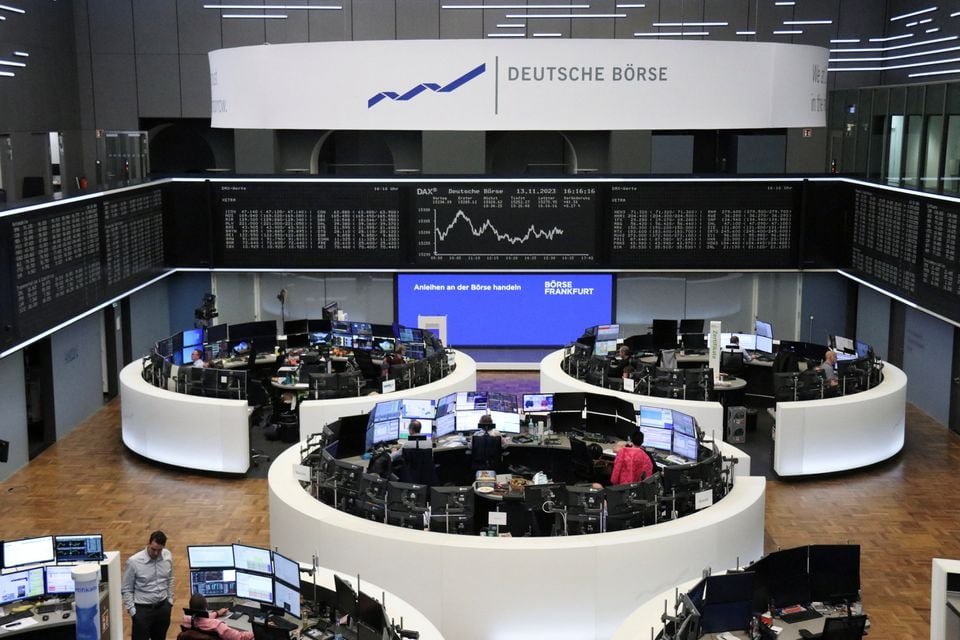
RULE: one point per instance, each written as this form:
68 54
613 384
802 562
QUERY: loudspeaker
736 425
4 450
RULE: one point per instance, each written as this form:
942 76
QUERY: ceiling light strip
845 41
899 37
798 22
11 63
6 7
265 16
511 26
746 33
513 16
896 46
7 74
787 32
515 6
691 24
932 73
265 7
899 57
548 35
630 5
22 54
934 30
670 34
914 13
898 66
506 35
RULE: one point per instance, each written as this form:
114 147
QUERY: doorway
38 377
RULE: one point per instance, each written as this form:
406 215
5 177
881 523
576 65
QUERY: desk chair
843 628
486 452
418 463
586 464
667 359
731 362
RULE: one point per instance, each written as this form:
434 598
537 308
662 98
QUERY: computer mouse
66 615
46 617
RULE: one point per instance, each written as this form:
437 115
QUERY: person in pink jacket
214 623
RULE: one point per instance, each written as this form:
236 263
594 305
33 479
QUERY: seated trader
382 460
620 362
632 463
396 356
829 369
416 440
417 455
197 356
486 447
734 347
213 624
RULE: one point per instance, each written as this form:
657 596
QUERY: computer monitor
57 580
657 438
286 570
584 498
535 496
362 329
782 578
635 496
346 597
764 344
843 344
384 431
834 572
286 598
296 327
419 409
691 326
664 334
537 402
603 348
446 405
499 401
469 400
863 349
608 332
728 603
217 333
252 559
19 553
193 337
253 330
746 341
685 446
762 328
254 586
80 548
407 496
467 420
213 582
370 612
506 422
202 557
451 500
329 311
684 424
21 585
655 417
445 424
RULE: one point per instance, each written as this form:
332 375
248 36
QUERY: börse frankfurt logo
433 86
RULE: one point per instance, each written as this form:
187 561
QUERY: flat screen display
467 420
386 431
84 548
764 344
446 404
286 570
684 446
386 410
193 337
747 341
470 400
445 424
764 329
657 438
655 417
608 332
603 348
58 580
287 599
254 587
252 559
18 553
684 424
545 309
21 585
422 409
213 582
863 349
210 556
506 422
844 344
537 402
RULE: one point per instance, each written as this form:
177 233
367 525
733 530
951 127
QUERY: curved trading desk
554 379
314 414
842 433
195 432
480 587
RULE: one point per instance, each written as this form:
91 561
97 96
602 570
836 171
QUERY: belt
151 605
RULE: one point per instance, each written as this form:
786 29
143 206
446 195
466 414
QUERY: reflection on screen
655 417
423 409
467 420
445 424
254 587
426 427
252 558
506 422
684 446
657 438
213 556
58 580
286 569
287 599
537 402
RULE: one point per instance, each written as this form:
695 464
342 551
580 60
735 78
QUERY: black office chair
731 362
486 452
418 464
585 461
843 628
259 399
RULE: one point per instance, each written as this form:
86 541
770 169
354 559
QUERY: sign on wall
479 85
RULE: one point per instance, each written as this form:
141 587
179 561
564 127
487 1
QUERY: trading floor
901 512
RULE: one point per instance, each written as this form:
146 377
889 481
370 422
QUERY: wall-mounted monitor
252 559
19 553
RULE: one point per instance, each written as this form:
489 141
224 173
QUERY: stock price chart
506 224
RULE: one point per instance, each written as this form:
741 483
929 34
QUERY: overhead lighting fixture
785 4
955 14
515 6
892 67
807 22
920 43
845 40
511 26
787 32
671 34
11 63
6 7
631 5
548 35
913 13
7 74
511 16
932 73
22 54
506 35
934 30
266 7
690 24
926 21
888 39
900 57
265 16
746 33
911 24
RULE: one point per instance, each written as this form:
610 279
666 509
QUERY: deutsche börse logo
565 288
433 86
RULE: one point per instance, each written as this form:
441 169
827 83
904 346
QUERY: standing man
148 589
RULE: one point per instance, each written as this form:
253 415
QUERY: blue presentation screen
508 309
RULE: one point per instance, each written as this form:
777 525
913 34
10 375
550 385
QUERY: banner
486 85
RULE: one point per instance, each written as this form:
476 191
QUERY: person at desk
397 356
632 463
829 369
214 623
734 347
147 589
197 356
486 446
415 438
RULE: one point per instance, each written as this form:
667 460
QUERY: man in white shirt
147 589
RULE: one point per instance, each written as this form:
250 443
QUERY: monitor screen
684 424
252 559
422 409
386 431
497 401
85 548
863 349
664 334
507 422
446 404
657 438
747 341
213 582
537 402
608 332
210 556
691 325
764 344
286 570
58 580
193 337
426 427
445 424
286 598
834 572
17 553
844 344
21 585
603 348
386 410
762 328
685 446
255 587
217 333
470 400
467 420
361 329
655 417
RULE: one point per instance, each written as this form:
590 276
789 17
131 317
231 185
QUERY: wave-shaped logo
432 86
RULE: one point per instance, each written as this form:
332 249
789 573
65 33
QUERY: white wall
77 368
13 426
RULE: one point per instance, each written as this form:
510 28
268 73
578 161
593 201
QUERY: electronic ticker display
886 238
506 224
699 224
307 224
133 238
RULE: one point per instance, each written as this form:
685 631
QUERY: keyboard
281 623
243 609
47 608
800 616
13 617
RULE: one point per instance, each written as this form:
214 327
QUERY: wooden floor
903 512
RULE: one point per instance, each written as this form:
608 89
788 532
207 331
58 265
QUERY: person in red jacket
632 463
214 623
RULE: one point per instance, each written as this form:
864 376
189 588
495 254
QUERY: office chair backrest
668 359
419 465
731 362
487 451
844 628
579 452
